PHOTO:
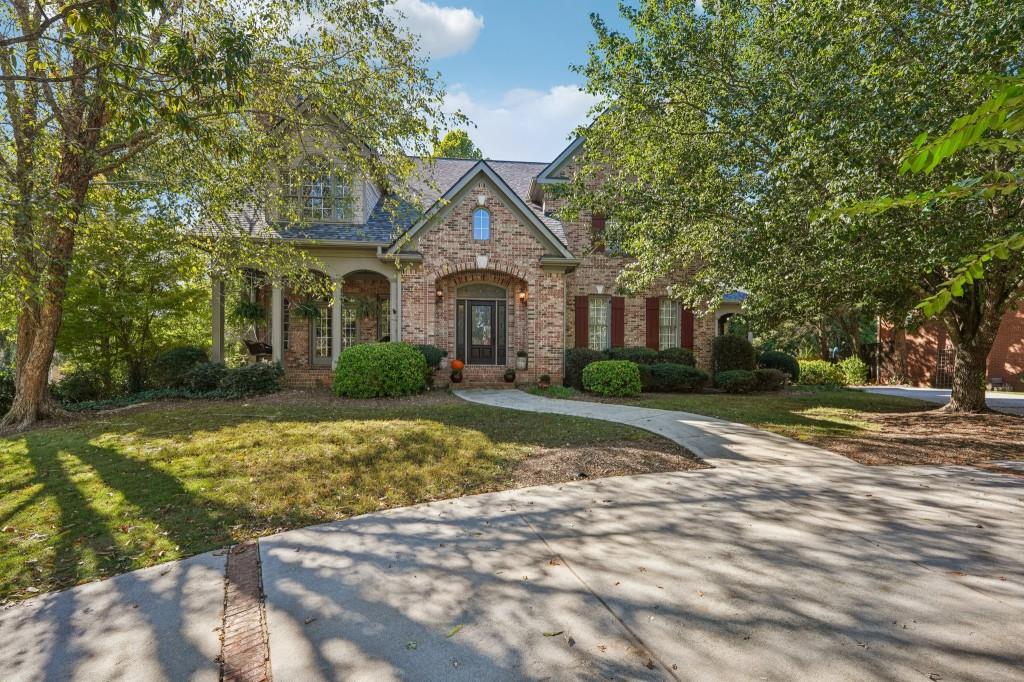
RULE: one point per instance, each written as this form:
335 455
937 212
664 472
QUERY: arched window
481 224
318 193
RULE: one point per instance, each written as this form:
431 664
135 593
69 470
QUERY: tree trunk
968 394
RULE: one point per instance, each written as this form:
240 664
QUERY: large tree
457 144
204 103
727 128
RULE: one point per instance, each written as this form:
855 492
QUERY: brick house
924 357
485 271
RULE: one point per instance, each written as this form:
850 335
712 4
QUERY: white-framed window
668 324
349 327
384 317
319 196
481 224
286 314
320 339
599 322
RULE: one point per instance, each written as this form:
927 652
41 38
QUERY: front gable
481 175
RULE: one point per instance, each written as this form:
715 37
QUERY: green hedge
821 373
736 381
776 359
576 360
380 370
612 377
204 377
732 352
855 371
769 379
79 386
169 368
667 377
254 379
677 356
641 355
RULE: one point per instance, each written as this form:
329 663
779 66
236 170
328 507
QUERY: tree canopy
456 144
726 129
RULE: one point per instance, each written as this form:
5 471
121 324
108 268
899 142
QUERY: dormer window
317 194
481 225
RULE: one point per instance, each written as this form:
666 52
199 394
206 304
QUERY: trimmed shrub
612 377
80 386
769 379
204 377
736 381
821 373
677 356
170 367
776 359
731 352
380 370
641 355
855 370
432 354
669 377
261 377
576 359
6 389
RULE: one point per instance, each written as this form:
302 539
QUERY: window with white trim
668 324
599 322
384 317
349 326
286 314
481 224
319 196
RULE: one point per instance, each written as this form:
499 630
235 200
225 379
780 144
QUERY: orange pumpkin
458 364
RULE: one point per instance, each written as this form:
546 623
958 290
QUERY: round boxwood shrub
732 352
667 377
169 368
254 379
776 359
576 359
380 370
677 356
770 379
821 373
612 377
855 370
641 355
432 354
80 386
736 381
204 377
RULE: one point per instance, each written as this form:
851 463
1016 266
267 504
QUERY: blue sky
506 64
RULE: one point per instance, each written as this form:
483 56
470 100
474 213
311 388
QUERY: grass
129 490
806 414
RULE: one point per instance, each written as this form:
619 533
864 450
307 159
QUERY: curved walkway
716 441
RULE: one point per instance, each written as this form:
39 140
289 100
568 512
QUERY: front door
483 337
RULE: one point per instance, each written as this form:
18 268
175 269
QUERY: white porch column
395 307
336 324
217 322
277 323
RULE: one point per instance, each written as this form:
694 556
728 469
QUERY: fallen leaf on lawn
553 634
602 647
454 630
554 562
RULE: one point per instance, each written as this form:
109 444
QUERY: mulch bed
616 458
934 437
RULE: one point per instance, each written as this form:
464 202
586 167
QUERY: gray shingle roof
390 218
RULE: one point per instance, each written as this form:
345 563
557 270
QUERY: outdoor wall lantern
522 297
440 293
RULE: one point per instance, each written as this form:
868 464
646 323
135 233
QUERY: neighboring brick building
925 356
485 271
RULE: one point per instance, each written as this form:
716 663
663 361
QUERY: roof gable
531 217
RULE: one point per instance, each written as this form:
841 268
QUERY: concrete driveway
1000 401
758 572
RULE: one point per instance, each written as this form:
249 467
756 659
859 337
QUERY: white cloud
443 31
524 124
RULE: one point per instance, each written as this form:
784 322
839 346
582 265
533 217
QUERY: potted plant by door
510 375
544 381
457 366
521 360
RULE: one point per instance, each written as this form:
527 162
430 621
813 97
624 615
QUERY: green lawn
126 490
806 415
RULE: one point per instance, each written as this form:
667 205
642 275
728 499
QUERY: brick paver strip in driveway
778 572
244 650
718 442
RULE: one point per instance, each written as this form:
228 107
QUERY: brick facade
915 357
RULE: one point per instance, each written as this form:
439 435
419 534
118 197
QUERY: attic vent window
481 224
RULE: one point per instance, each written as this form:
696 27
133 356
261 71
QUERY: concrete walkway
777 572
716 441
1000 401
